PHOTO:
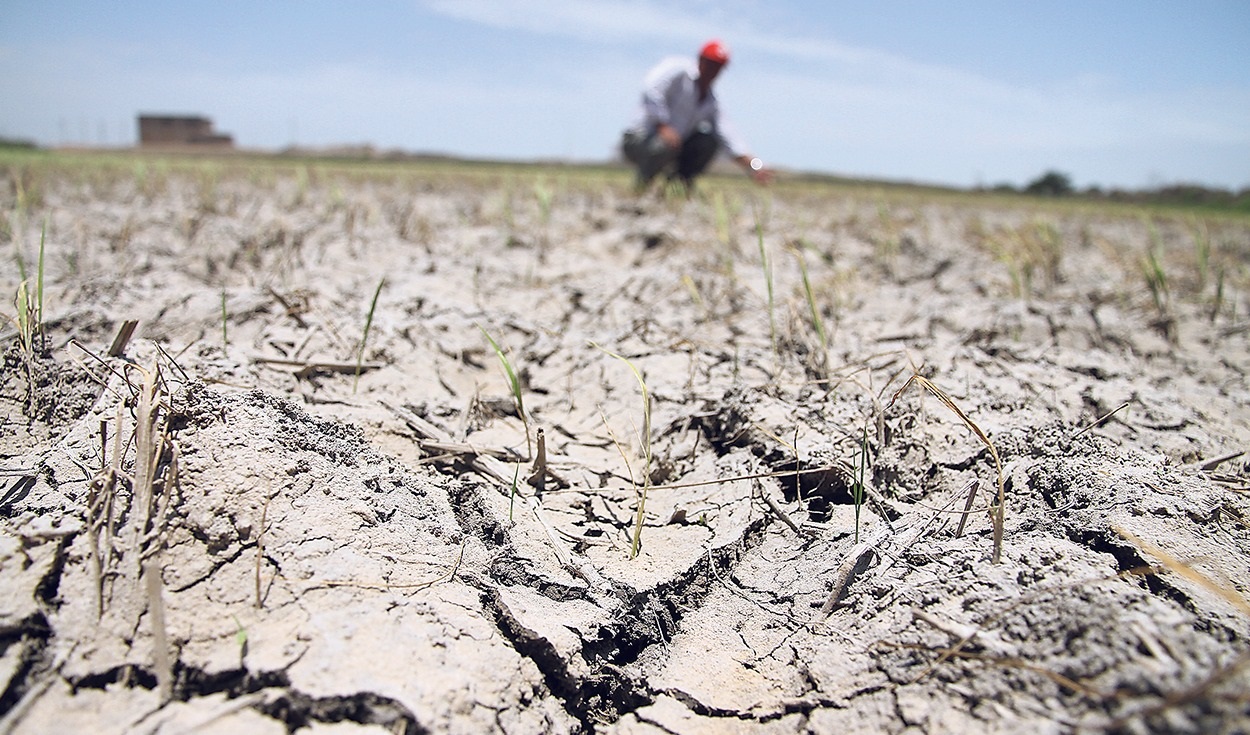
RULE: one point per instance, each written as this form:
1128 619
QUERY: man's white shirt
671 96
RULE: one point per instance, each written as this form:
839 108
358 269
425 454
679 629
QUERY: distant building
167 130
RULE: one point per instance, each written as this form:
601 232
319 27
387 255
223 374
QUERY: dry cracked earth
301 497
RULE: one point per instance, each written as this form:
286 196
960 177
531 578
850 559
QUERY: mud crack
298 710
602 697
293 708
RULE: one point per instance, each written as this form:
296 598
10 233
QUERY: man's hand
763 176
755 169
669 135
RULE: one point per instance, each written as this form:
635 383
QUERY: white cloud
588 21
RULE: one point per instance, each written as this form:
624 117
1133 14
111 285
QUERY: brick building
164 130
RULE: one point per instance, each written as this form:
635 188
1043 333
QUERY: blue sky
1128 93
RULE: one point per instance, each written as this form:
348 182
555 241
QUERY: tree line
1058 184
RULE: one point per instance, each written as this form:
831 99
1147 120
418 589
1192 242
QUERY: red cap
716 51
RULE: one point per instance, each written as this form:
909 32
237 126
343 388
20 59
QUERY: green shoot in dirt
29 305
767 265
43 238
646 450
544 195
1156 280
1027 250
364 338
1202 251
695 296
514 384
1154 272
225 338
26 319
240 637
887 245
1217 301
997 512
1045 247
817 323
858 491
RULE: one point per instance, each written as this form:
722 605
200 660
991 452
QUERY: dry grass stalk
839 467
778 510
152 492
998 511
695 296
101 500
861 555
856 563
124 333
483 463
160 638
312 367
538 472
1102 419
156 469
972 487
645 438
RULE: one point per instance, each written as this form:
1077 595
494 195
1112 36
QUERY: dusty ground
338 557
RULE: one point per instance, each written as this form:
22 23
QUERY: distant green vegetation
15 144
21 158
1184 196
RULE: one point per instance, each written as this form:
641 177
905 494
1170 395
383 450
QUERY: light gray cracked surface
402 591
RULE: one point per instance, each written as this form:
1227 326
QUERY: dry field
400 448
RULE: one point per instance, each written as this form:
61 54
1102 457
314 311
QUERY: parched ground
302 495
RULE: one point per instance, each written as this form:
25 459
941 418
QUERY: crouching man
680 128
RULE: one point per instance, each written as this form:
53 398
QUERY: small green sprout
514 383
364 338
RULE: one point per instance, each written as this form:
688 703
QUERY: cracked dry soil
337 557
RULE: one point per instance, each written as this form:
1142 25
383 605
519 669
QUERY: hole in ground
1128 558
819 488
